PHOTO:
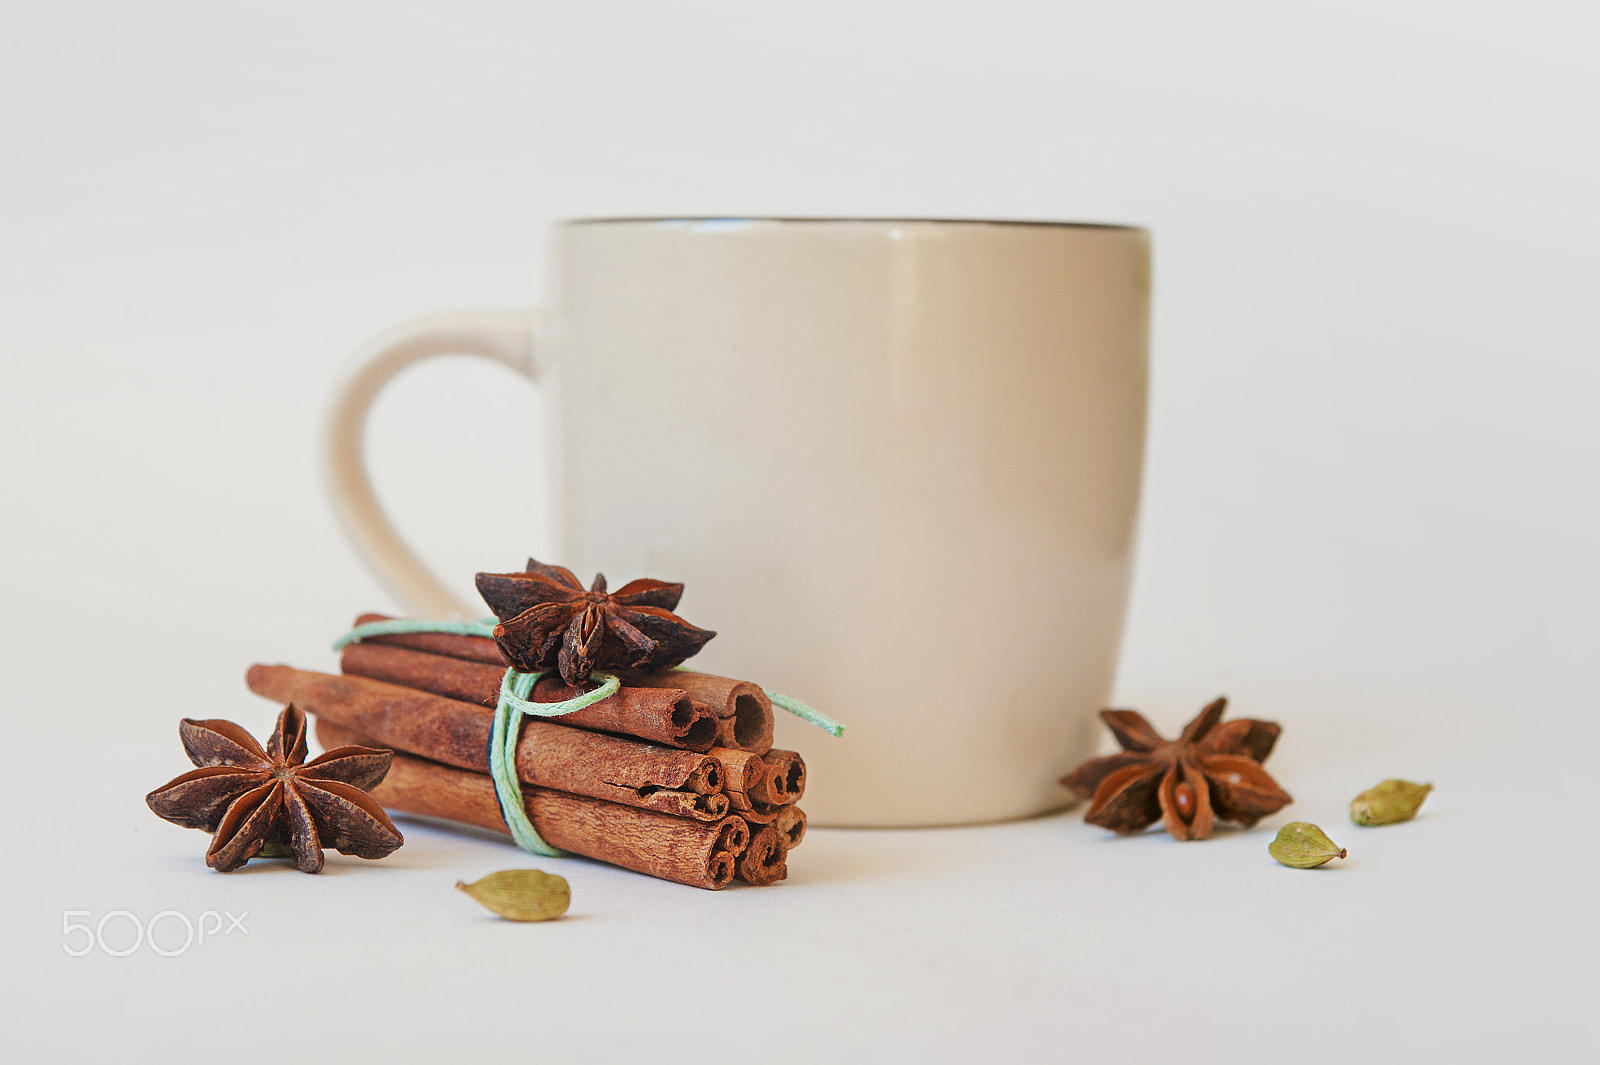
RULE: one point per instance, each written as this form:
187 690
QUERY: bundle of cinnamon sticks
674 775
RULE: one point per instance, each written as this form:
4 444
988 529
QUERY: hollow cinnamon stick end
748 719
710 807
765 860
695 725
743 711
705 778
790 823
789 771
733 836
763 786
722 865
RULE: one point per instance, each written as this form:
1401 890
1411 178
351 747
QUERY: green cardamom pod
1302 845
521 894
1388 803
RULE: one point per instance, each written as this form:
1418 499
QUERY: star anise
548 621
249 797
1210 771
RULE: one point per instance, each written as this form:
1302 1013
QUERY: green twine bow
514 701
514 691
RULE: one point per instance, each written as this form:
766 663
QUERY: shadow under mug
896 464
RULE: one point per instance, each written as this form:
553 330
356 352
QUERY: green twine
514 691
400 626
503 767
515 688
806 713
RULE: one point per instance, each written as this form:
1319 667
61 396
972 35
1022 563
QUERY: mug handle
505 337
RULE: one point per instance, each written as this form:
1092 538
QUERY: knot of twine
514 702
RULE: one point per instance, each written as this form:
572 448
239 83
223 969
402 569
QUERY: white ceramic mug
896 464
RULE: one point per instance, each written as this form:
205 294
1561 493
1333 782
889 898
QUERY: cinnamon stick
699 854
742 771
790 822
470 648
747 779
765 860
758 786
550 755
660 715
743 708
789 775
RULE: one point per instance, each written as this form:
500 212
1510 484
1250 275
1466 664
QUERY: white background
1370 507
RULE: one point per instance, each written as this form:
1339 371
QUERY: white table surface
1468 931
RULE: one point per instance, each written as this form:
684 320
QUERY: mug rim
830 220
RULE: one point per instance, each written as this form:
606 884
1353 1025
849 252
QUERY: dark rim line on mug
698 219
